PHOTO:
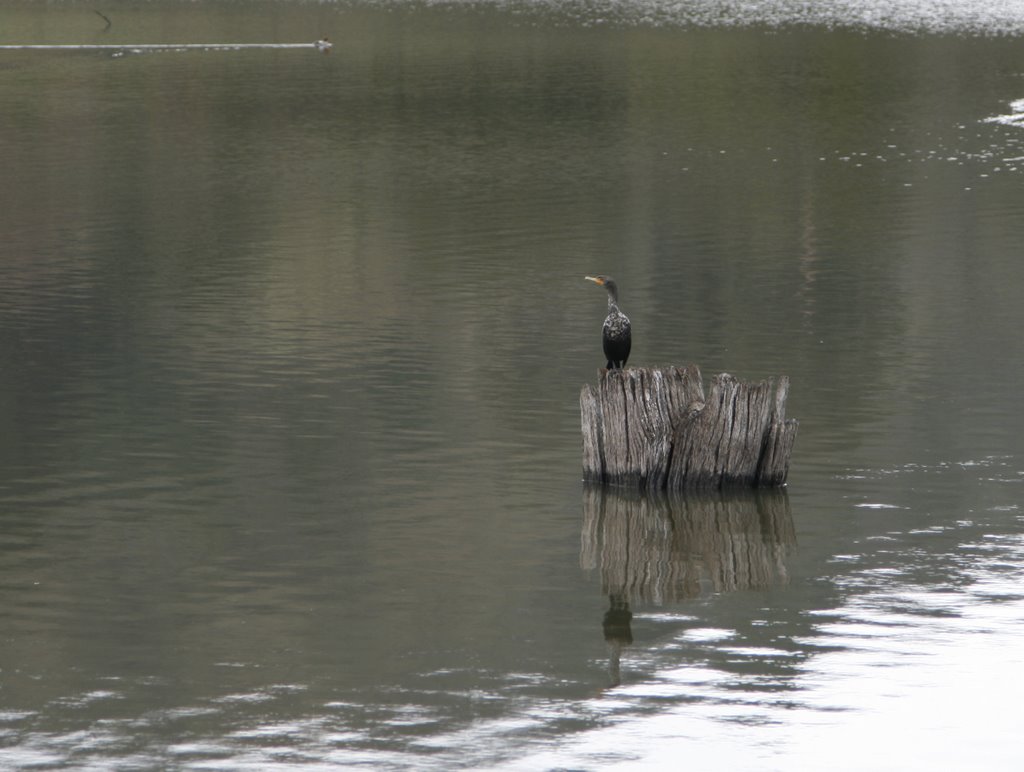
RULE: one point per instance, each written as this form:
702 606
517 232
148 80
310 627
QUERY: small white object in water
324 44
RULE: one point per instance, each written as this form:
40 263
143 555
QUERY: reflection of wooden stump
663 549
652 428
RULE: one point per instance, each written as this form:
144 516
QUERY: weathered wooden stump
652 428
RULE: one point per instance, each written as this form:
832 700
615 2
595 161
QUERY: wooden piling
653 429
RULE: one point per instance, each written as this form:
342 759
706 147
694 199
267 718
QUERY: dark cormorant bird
616 336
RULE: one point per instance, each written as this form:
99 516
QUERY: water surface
292 346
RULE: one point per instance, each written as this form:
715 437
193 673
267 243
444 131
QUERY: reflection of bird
616 336
618 633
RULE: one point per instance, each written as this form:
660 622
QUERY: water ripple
902 16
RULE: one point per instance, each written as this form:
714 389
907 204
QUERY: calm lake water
292 345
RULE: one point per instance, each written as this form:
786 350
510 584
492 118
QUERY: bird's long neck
613 296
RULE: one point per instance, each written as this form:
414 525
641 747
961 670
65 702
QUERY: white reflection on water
1014 118
910 16
916 666
887 690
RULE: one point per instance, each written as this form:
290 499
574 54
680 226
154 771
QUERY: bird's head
607 282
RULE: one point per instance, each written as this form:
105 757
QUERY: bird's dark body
617 339
617 333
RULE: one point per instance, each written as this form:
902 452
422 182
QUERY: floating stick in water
322 45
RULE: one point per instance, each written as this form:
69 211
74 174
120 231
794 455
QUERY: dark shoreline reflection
669 548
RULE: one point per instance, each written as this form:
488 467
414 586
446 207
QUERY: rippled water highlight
899 16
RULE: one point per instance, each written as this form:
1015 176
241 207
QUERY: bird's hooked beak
595 279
